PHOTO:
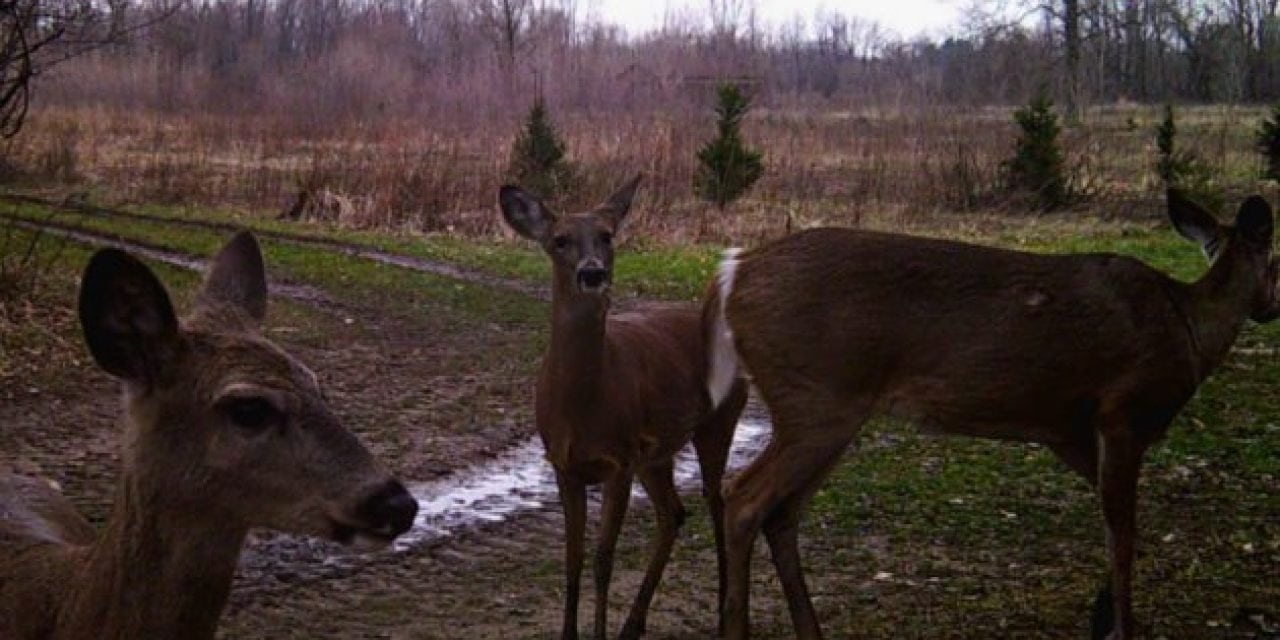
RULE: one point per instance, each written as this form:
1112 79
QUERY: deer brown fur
617 397
223 431
1091 355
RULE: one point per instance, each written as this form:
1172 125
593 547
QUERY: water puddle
521 480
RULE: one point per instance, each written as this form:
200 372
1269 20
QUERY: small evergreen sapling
1268 140
1182 168
1037 165
538 156
728 168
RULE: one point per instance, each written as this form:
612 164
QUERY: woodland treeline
363 58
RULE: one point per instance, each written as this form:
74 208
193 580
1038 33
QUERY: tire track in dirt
423 265
187 262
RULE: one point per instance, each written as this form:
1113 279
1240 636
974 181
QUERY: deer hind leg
659 484
773 490
1119 464
573 498
781 530
712 442
617 495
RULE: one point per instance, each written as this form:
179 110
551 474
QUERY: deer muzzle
379 518
593 279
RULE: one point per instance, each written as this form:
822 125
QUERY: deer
1089 355
617 396
223 431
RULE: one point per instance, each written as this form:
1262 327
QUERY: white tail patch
723 369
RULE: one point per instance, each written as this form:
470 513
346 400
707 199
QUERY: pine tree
1169 163
1182 168
1037 164
1269 143
728 168
538 156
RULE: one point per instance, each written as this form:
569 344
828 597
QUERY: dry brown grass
823 166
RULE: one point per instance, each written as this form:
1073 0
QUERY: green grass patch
348 278
674 273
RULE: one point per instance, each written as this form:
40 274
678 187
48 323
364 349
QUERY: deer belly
939 421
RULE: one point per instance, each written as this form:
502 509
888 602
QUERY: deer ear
525 213
237 279
616 206
1192 221
1254 221
128 321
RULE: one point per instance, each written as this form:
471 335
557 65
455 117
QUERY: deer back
961 337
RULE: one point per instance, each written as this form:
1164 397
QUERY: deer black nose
592 277
391 509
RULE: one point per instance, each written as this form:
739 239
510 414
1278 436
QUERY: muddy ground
429 401
435 395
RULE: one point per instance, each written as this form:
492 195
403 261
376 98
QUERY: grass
411 174
918 536
357 280
668 272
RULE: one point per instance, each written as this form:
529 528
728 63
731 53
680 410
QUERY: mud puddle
521 480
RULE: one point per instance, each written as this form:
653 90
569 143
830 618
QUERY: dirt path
449 412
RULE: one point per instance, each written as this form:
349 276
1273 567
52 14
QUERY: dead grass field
835 165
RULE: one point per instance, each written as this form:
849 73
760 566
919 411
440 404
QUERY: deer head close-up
222 431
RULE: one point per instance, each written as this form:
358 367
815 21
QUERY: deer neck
154 573
1218 305
576 356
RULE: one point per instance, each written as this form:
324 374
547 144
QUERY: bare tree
38 34
505 22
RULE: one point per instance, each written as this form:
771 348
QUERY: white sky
907 18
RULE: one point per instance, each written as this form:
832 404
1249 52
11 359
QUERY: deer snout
387 512
592 277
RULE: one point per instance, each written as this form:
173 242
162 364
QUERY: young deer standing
1090 355
617 397
223 432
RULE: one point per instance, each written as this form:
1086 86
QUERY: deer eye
560 242
252 414
606 237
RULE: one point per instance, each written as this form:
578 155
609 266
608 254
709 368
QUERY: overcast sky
906 17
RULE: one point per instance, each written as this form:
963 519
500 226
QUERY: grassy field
838 165
913 536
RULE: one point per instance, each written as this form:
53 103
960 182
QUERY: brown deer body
223 432
1090 355
617 397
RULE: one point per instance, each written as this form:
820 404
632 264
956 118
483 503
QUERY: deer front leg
1120 461
573 497
659 483
617 494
